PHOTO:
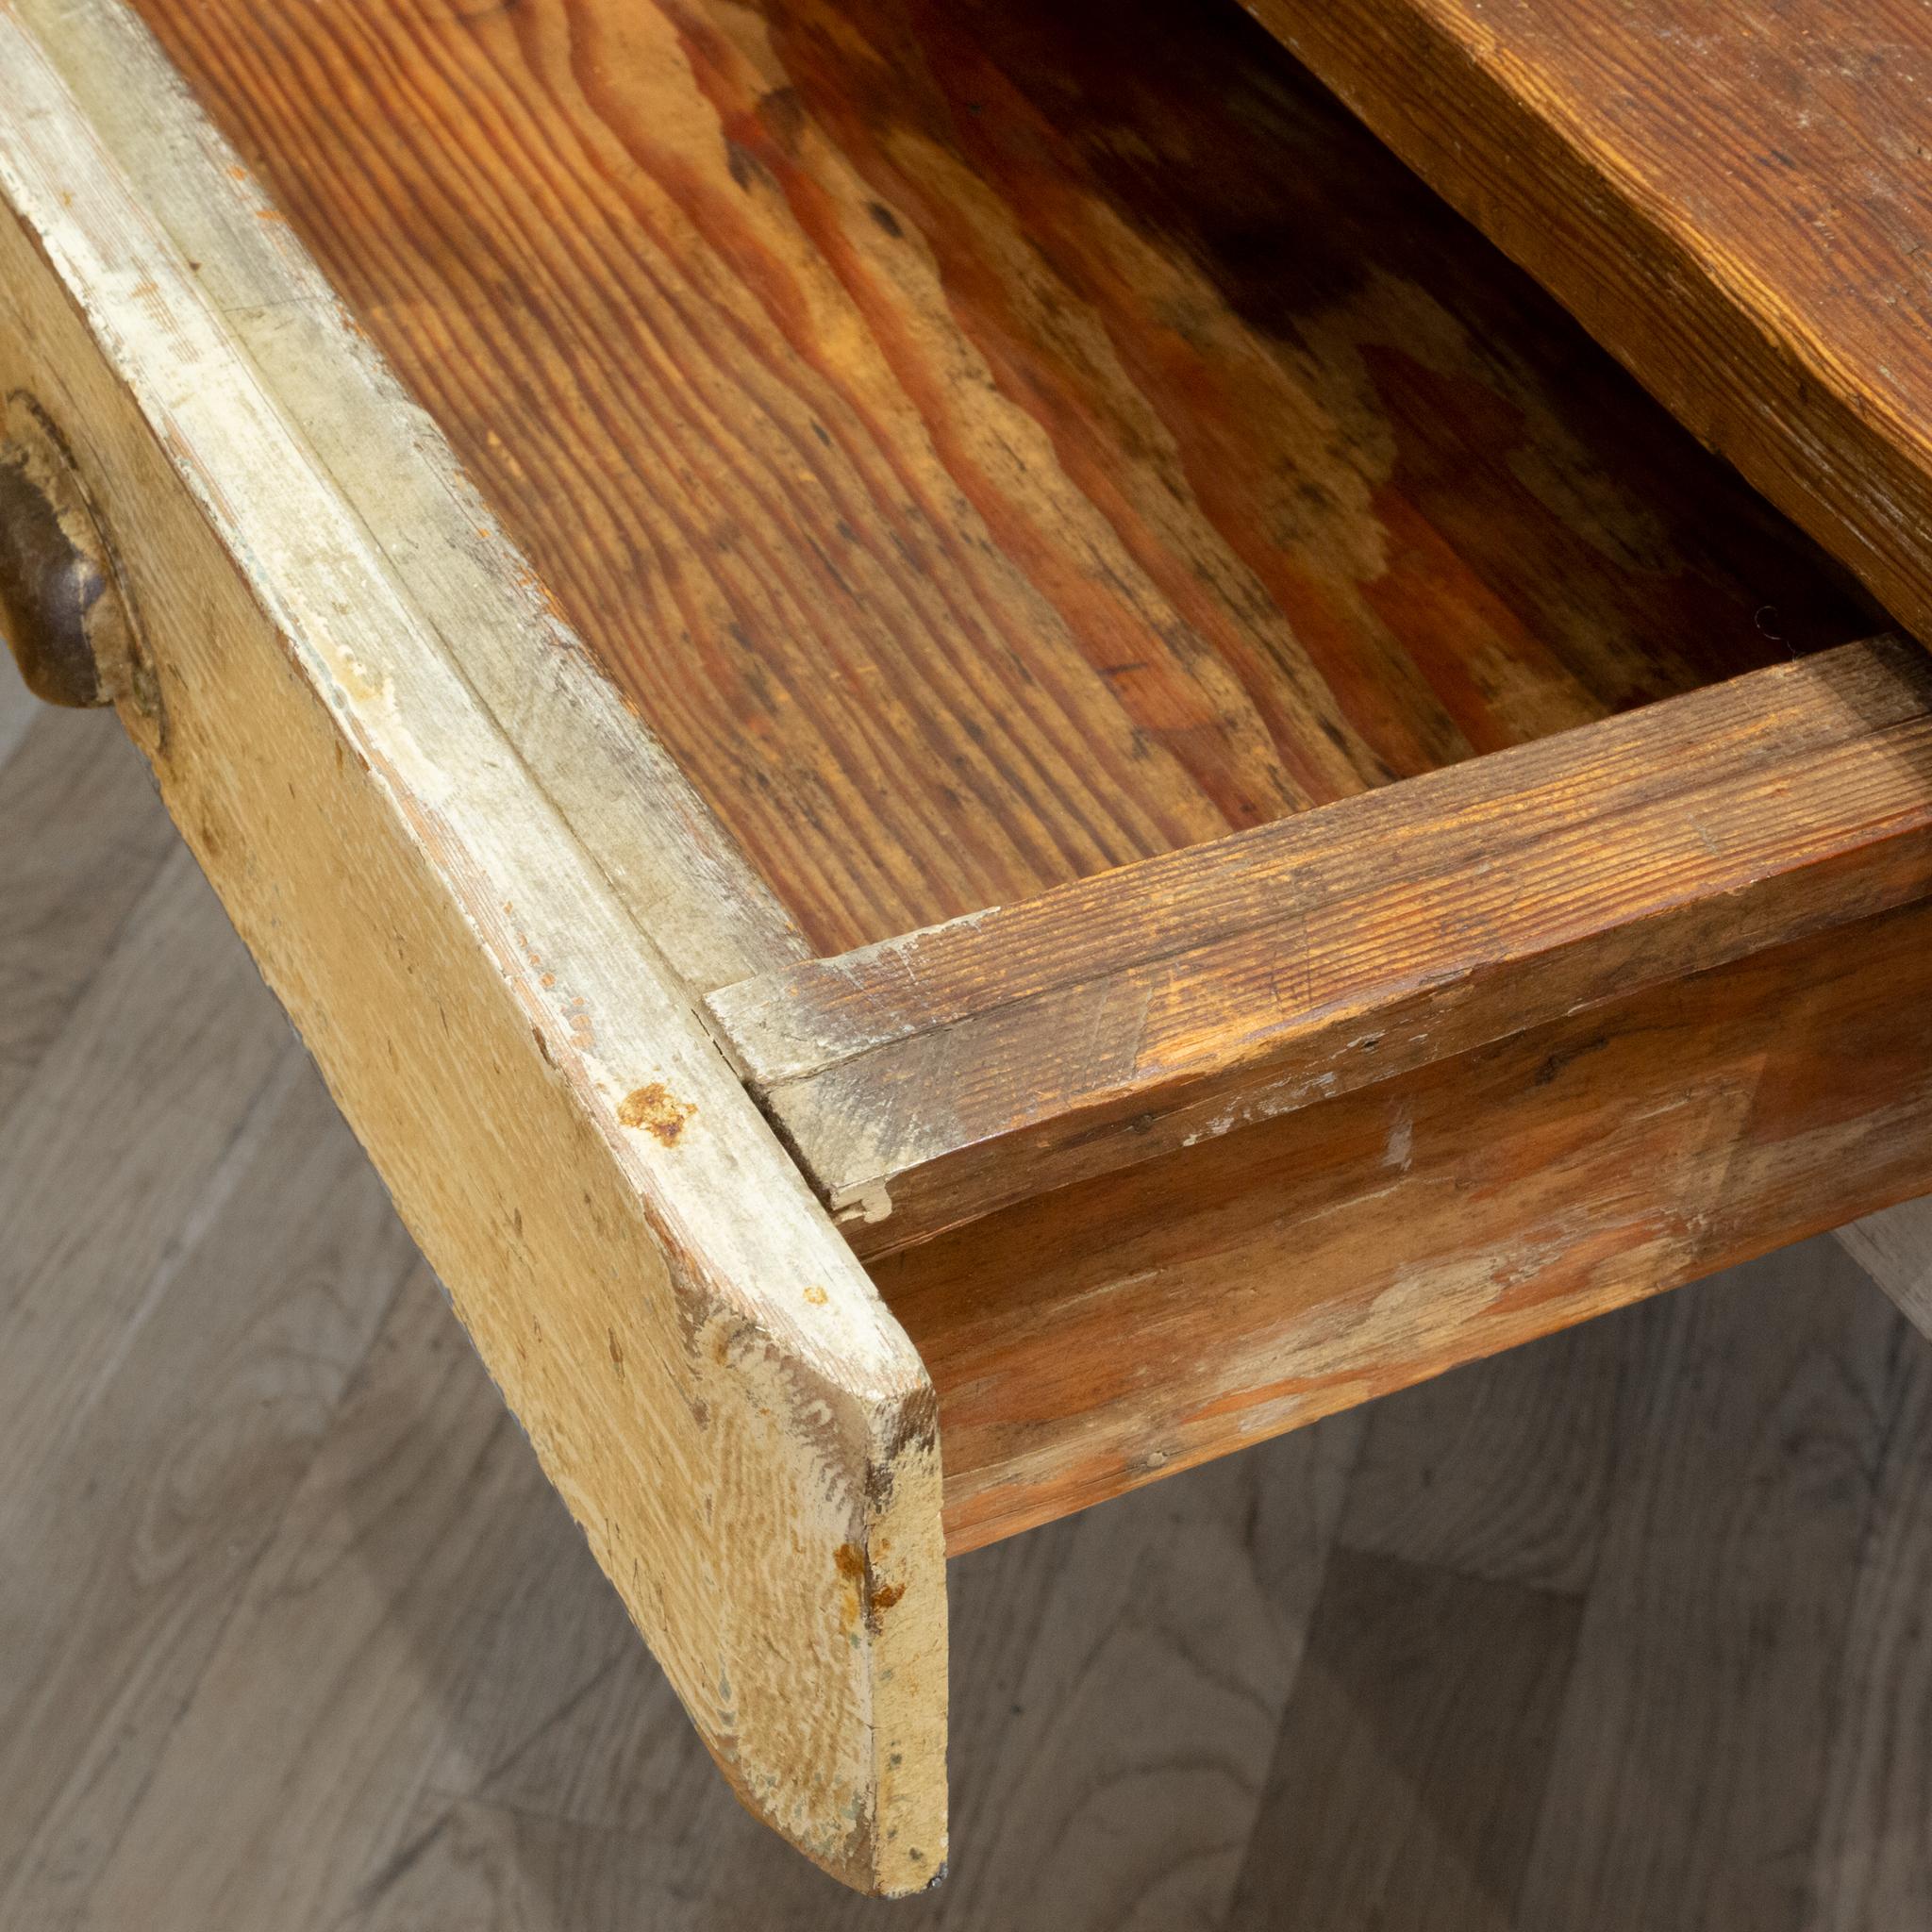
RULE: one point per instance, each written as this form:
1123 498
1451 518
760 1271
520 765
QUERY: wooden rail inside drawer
1052 459
938 1076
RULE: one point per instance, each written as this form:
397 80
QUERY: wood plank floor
1625 1629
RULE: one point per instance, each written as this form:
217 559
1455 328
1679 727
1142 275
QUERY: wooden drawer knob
61 606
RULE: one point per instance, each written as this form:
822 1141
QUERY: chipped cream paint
868 1203
1400 1151
464 955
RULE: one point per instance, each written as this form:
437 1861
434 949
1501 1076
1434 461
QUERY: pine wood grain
1114 1331
945 1074
465 1732
993 443
366 1634
1730 197
664 856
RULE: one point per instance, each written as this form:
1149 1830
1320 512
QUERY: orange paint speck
657 1111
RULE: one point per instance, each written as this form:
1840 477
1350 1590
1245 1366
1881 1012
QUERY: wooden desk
983 764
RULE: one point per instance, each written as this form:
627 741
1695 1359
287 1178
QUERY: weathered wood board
1125 1327
612 499
743 1432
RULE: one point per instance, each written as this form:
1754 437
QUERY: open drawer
981 763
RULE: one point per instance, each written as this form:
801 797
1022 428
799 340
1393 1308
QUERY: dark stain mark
783 111
1107 1130
885 218
1556 1061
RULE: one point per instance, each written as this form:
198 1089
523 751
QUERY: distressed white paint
744 1432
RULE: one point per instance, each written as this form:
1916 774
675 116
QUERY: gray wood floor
1622 1631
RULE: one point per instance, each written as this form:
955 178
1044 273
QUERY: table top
1734 199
